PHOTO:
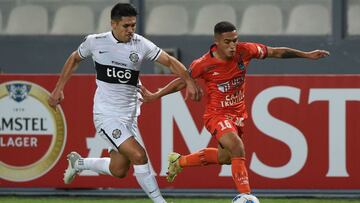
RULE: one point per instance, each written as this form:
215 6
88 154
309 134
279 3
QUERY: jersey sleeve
256 50
195 69
151 51
84 49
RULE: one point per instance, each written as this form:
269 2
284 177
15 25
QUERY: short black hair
123 10
224 26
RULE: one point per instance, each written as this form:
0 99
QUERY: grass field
179 200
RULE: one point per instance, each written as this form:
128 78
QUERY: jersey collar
114 39
213 48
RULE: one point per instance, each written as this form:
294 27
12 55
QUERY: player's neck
117 37
220 56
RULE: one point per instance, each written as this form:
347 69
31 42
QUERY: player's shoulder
248 47
138 39
252 49
202 60
245 45
98 36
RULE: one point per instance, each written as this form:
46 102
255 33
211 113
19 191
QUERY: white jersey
117 72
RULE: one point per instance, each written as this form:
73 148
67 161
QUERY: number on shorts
224 124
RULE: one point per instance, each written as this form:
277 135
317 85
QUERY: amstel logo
32 134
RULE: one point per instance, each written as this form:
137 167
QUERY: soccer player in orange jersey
223 69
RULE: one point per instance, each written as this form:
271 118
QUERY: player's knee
224 160
119 172
237 152
139 158
236 149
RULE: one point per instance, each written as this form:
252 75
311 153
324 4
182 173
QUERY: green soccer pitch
173 200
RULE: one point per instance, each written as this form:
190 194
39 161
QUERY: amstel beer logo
32 134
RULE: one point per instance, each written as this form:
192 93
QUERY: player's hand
193 91
146 95
55 98
317 54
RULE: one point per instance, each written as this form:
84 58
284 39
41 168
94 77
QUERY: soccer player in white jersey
117 55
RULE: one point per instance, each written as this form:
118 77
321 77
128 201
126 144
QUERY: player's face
226 44
124 29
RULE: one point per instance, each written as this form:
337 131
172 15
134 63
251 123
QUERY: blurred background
36 36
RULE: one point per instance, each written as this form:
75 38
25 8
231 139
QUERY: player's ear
216 39
114 23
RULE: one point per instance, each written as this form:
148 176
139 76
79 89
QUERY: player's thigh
226 129
224 155
232 143
113 130
218 125
133 150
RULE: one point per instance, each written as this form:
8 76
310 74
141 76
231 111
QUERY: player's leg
137 155
224 155
76 164
116 165
232 143
231 148
177 162
206 156
119 164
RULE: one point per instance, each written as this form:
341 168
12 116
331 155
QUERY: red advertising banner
302 133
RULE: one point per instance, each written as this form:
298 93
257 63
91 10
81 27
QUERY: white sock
98 165
148 183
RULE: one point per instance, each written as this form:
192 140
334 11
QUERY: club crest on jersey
134 57
241 65
116 133
17 91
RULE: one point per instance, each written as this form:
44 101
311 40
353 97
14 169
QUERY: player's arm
174 86
69 67
285 52
179 69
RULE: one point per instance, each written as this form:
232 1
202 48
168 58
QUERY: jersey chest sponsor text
231 84
113 74
233 98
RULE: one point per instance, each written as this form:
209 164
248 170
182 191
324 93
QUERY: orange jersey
225 80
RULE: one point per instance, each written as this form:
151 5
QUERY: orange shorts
218 125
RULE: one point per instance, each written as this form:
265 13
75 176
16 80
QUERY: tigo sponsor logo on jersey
28 126
123 75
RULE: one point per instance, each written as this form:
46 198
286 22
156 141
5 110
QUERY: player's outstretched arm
69 67
174 86
285 52
176 67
